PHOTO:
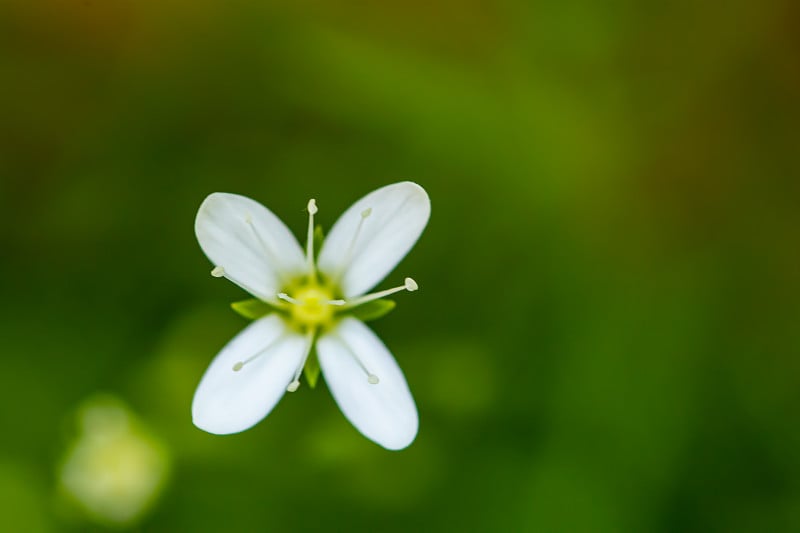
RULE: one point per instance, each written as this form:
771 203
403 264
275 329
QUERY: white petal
383 412
227 401
253 247
399 213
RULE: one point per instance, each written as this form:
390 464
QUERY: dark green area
606 333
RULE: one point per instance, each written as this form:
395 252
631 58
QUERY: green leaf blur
311 369
252 308
373 310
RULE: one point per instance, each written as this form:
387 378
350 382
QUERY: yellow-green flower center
313 308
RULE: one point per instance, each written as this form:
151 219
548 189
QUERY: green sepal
252 309
311 370
373 310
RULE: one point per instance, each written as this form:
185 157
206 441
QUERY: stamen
218 272
240 364
349 255
410 285
285 297
312 210
334 302
372 379
295 383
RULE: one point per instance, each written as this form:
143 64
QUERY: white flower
313 300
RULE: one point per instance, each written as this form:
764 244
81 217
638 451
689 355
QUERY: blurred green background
606 336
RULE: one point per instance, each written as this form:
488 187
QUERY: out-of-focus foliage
606 332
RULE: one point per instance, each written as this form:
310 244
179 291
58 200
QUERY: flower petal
227 401
255 249
399 213
383 412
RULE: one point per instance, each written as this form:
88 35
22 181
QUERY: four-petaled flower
308 300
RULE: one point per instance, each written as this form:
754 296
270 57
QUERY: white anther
293 386
218 272
312 206
366 212
238 366
411 285
373 379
